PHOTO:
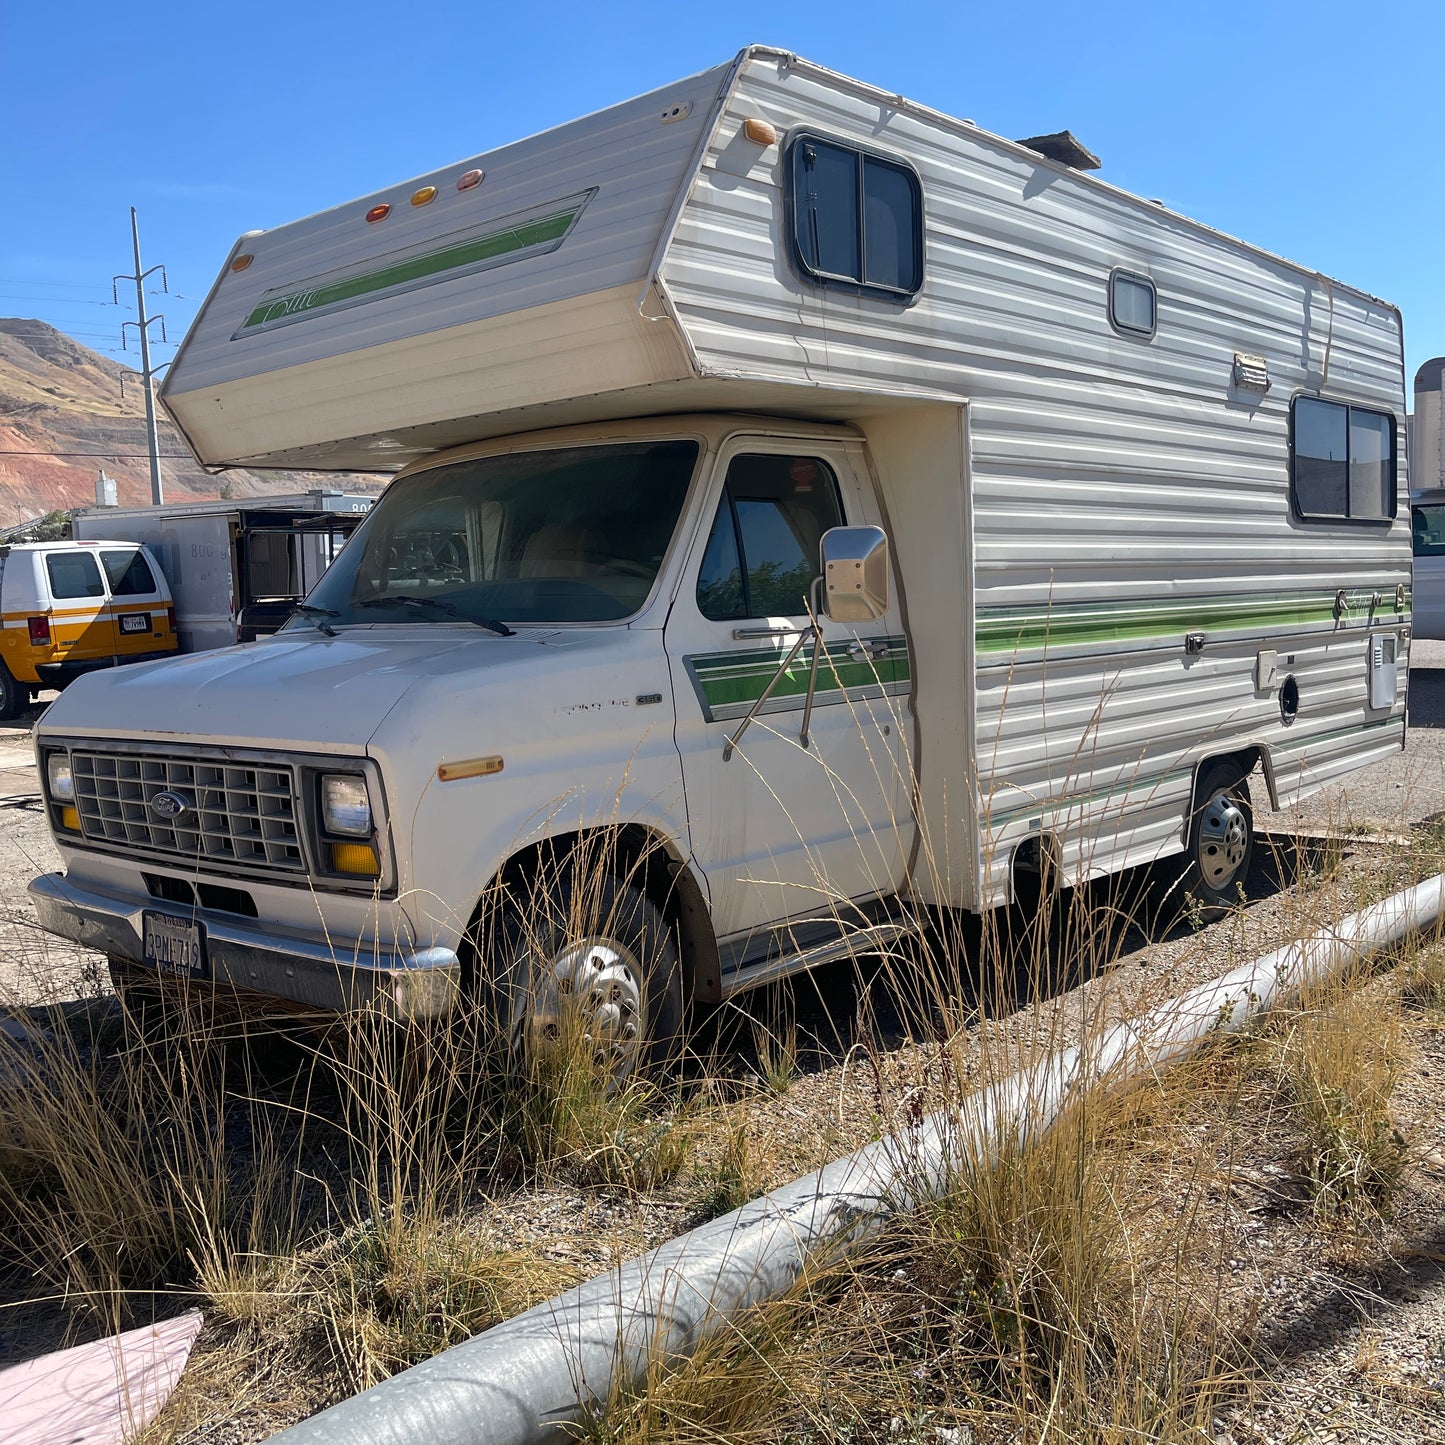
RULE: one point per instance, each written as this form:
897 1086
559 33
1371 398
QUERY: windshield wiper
318 616
407 599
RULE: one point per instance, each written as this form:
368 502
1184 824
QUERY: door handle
866 649
741 634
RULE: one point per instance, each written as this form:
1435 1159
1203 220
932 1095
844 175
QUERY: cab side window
74 574
128 574
762 554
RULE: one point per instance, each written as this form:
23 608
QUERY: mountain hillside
63 418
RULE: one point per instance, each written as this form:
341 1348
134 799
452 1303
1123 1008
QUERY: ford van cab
72 607
814 507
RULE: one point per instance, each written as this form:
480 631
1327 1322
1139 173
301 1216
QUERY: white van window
1429 530
129 574
74 574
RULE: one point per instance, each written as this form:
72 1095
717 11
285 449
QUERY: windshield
575 534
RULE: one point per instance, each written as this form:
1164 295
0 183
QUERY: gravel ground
1359 1338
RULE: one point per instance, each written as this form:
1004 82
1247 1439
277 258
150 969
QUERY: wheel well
637 855
1244 760
1036 870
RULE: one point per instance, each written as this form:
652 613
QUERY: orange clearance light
759 131
241 262
379 213
425 196
469 179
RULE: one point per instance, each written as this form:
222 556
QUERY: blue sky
1313 130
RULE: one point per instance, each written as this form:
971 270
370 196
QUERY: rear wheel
1221 839
14 696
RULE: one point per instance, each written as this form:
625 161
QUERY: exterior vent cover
1251 373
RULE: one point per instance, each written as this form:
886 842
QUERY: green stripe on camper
426 266
729 683
1084 624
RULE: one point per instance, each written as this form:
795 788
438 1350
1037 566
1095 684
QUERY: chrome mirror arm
813 607
816 633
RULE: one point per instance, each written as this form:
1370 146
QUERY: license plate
173 945
135 622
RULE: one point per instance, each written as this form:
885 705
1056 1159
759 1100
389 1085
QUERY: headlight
345 805
57 775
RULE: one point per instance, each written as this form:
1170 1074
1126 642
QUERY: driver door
781 831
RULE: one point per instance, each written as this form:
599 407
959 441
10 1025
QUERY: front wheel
1221 839
584 962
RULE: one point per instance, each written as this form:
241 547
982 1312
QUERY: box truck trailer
237 569
832 508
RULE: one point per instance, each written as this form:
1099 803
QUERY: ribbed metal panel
236 815
1114 479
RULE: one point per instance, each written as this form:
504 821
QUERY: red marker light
241 262
379 213
469 179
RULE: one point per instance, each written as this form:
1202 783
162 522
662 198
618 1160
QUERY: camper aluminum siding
1123 492
358 345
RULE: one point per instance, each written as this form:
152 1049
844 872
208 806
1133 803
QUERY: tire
588 952
1221 839
14 696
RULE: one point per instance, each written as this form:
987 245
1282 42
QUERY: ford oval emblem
170 805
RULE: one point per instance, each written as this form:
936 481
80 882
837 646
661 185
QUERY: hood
299 689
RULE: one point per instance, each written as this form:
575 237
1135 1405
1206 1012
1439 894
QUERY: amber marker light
355 858
379 213
424 197
759 131
469 768
70 818
241 262
468 179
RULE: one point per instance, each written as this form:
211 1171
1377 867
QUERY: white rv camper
1106 504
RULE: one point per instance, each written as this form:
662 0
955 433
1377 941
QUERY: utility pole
146 372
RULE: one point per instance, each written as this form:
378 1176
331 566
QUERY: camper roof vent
1065 148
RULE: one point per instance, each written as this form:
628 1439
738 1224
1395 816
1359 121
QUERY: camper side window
855 218
762 554
1133 303
1342 462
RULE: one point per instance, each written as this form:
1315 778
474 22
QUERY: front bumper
339 975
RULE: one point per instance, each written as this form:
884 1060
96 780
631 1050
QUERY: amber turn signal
355 858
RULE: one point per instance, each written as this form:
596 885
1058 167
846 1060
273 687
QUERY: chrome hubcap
591 990
1223 834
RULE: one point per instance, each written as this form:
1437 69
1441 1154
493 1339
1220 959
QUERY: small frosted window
1132 303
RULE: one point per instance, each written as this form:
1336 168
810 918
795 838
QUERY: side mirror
855 574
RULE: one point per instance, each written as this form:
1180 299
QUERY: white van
71 607
1104 508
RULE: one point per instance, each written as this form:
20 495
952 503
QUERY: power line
63 300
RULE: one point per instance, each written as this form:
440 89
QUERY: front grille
237 813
